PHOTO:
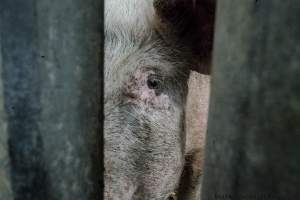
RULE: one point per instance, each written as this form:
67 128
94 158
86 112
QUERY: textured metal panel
5 182
51 62
254 121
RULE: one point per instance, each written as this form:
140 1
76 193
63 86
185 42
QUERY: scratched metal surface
254 120
49 99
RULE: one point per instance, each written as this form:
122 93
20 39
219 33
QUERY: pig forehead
131 42
125 58
128 23
121 64
129 14
126 49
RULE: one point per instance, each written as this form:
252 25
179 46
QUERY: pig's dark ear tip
190 22
164 8
204 68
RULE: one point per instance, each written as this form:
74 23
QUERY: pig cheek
151 100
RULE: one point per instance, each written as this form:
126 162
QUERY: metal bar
52 84
252 148
5 182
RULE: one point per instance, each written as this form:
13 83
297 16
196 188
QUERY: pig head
149 51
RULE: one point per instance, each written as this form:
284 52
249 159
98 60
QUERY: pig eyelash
155 82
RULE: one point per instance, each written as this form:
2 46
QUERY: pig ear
189 23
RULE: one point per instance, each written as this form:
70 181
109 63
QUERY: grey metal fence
50 99
253 144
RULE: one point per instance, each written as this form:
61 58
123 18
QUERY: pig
150 47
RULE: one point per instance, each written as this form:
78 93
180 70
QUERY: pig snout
143 145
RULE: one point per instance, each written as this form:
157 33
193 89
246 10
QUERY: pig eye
154 83
171 196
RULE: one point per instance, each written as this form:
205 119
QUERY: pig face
145 93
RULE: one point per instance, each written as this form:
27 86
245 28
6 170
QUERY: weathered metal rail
253 137
50 99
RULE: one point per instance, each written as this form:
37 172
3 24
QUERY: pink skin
139 93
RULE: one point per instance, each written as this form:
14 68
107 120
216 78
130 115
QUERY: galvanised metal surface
50 99
253 139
